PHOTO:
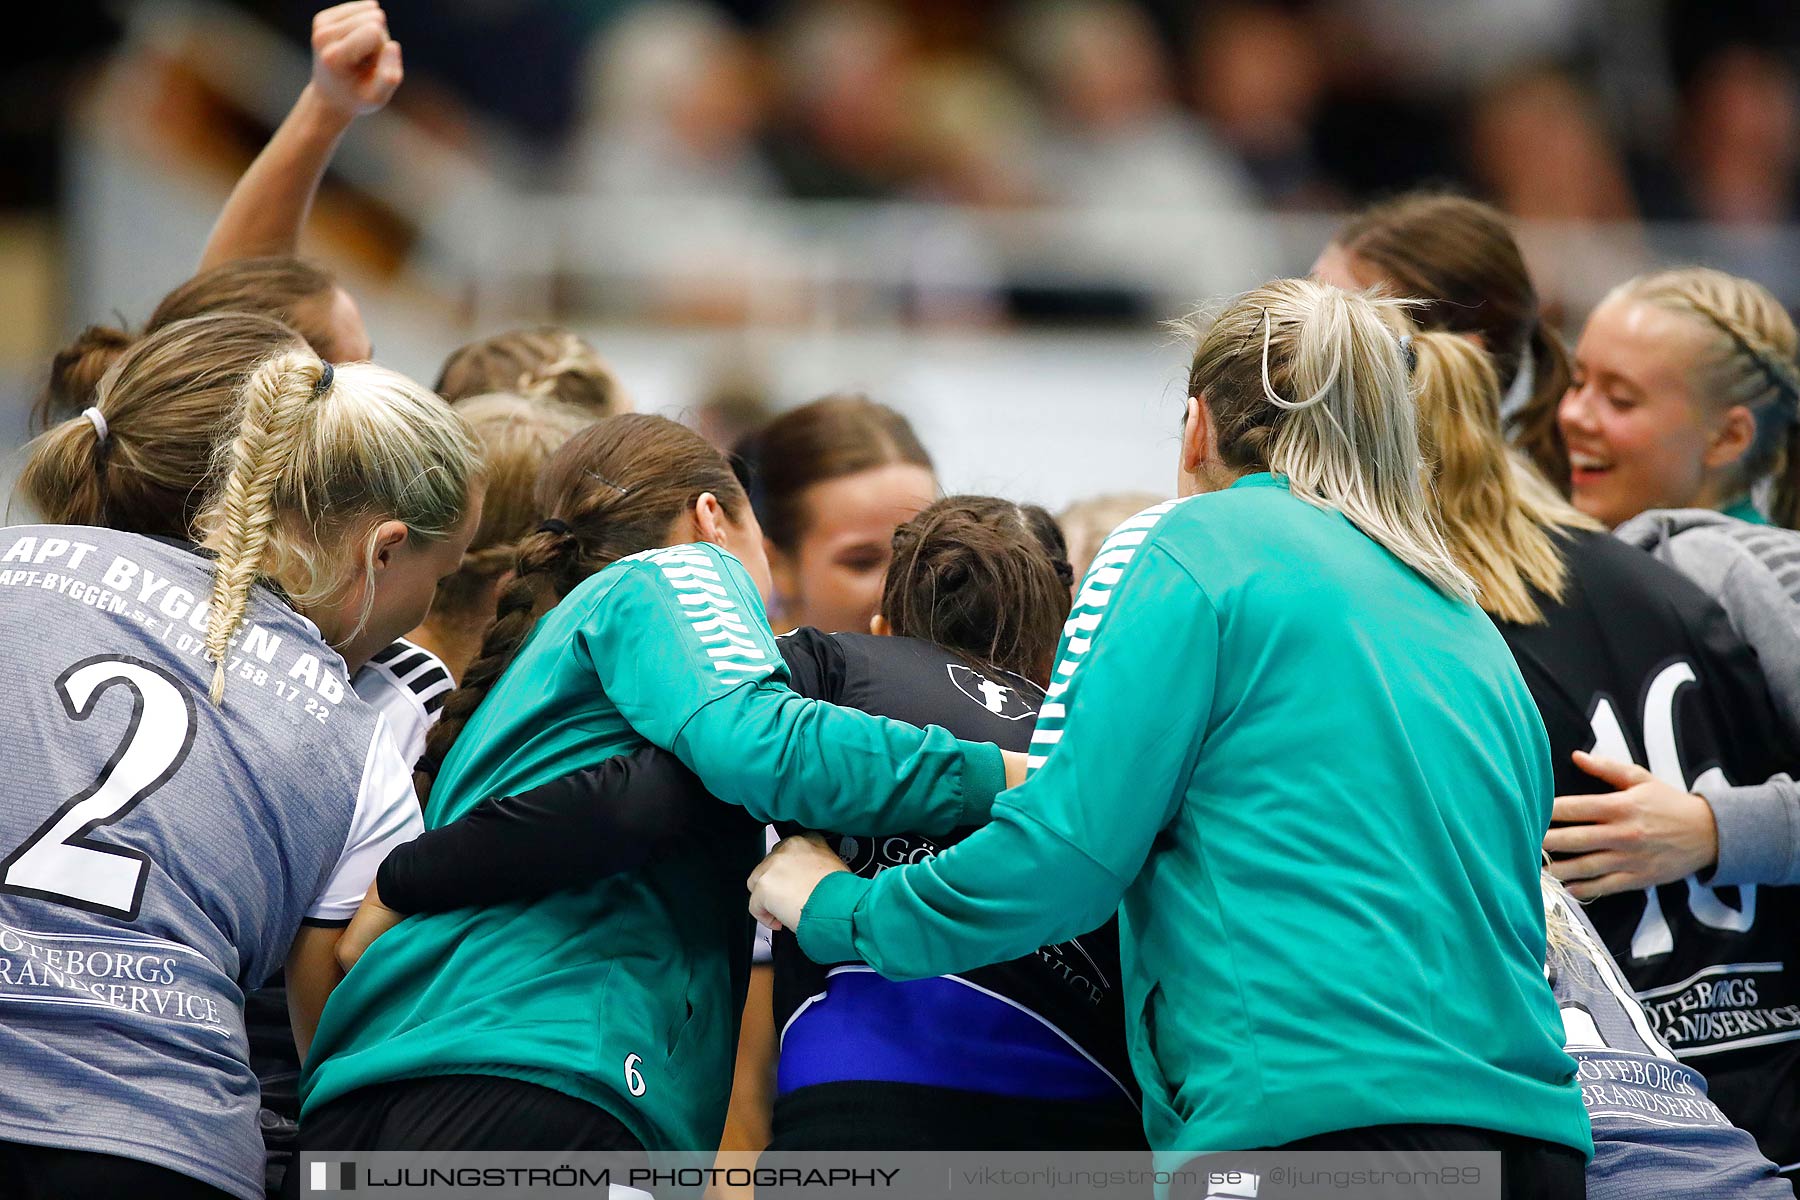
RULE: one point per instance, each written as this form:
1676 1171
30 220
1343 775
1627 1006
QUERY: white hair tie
97 419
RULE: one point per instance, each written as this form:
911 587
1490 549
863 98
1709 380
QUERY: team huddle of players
1416 778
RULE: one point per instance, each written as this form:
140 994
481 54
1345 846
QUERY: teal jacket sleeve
1114 749
682 647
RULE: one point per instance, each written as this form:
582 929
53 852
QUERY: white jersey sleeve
408 685
387 815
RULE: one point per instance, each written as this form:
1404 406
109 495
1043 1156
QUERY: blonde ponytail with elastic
1310 382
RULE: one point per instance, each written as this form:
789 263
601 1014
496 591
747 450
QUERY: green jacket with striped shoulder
627 993
1319 786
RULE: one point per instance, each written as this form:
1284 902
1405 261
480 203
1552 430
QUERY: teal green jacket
1744 509
627 993
1319 786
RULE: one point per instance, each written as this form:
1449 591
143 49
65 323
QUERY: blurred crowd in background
1559 109
829 165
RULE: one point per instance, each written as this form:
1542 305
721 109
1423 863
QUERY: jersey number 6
58 862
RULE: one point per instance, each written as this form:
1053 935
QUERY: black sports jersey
1638 664
1070 990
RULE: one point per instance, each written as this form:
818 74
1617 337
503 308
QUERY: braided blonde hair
322 455
1748 362
547 363
1309 381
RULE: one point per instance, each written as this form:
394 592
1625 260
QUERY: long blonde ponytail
1498 525
1309 381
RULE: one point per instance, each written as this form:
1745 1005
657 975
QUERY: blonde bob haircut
320 457
1499 518
1310 382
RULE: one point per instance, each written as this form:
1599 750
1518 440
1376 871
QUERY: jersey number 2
58 862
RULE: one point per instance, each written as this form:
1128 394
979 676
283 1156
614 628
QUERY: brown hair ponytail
76 371
291 290
984 578
614 489
1458 258
163 401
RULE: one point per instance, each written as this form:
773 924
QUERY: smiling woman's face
1637 437
832 579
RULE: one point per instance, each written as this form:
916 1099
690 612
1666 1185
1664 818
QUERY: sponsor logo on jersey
1004 702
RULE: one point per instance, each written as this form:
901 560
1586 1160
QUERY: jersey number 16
1654 936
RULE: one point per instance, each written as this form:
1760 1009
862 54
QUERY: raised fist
356 65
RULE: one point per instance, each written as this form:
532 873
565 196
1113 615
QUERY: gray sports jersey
160 853
1655 1131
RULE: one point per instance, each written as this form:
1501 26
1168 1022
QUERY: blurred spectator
1741 138
972 130
673 106
1538 146
842 133
1444 47
1118 138
1737 164
1119 149
1258 78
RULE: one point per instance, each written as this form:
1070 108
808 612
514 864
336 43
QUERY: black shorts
460 1112
50 1173
908 1116
1529 1169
